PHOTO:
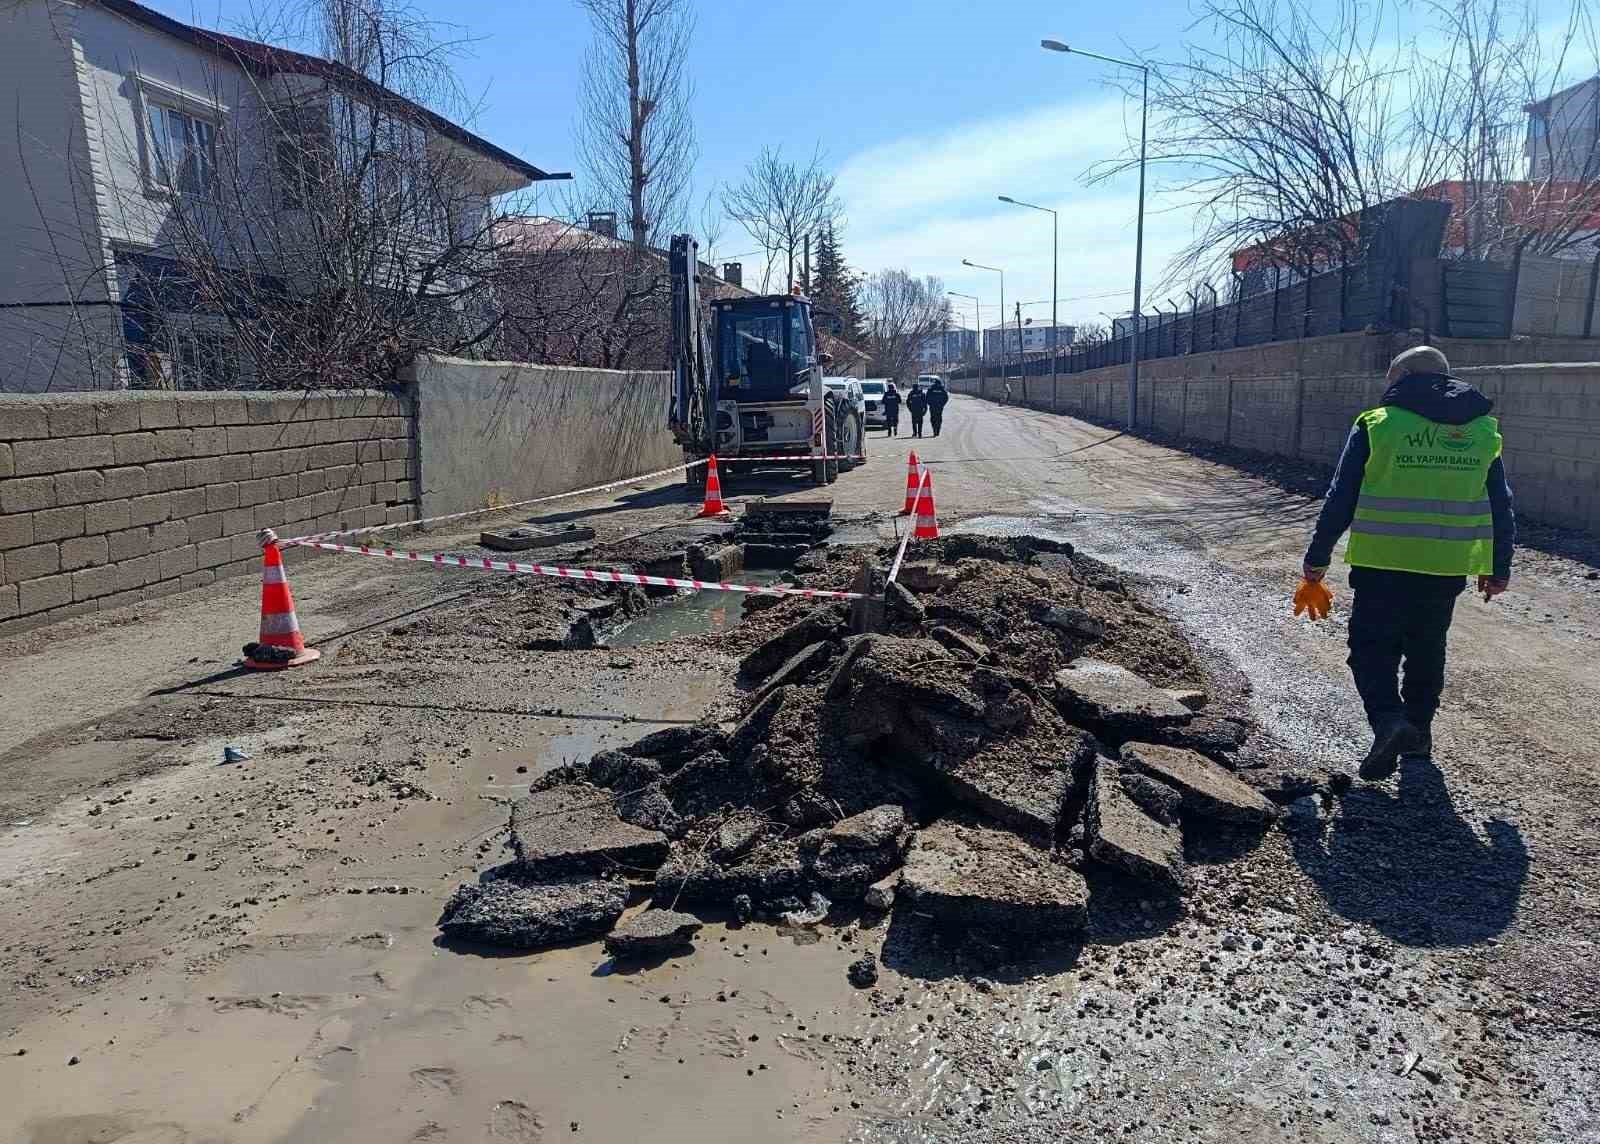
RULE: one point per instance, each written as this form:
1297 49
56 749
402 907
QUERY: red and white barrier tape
687 465
601 575
900 556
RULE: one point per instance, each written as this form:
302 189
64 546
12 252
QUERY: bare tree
902 312
635 135
780 202
325 237
1288 119
577 297
713 224
1473 103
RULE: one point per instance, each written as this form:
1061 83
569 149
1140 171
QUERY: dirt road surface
198 951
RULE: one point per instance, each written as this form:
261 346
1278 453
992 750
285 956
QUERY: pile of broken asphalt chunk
1009 722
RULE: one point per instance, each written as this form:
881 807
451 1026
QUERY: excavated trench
1015 733
685 614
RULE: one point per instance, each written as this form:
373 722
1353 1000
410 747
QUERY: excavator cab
763 347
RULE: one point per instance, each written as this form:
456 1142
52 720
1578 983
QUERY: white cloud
926 202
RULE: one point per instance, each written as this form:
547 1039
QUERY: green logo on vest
1456 438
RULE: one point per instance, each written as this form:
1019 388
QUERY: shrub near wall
113 498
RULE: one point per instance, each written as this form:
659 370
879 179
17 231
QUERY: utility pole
1138 249
805 281
977 333
1055 289
1022 360
1002 273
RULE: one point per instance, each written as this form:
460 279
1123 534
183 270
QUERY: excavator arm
689 416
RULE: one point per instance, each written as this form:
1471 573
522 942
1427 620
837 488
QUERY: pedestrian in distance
1007 382
1422 489
938 398
891 409
917 404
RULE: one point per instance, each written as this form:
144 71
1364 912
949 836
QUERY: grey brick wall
116 497
1298 399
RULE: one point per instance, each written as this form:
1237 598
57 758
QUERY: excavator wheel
826 472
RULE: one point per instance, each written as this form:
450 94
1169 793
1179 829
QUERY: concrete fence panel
1549 412
510 431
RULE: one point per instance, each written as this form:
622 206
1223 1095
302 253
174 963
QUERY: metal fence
1444 297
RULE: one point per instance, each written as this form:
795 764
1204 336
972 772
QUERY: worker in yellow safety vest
1422 490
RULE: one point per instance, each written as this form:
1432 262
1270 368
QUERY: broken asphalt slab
506 907
1105 695
1124 835
969 876
652 933
1205 789
575 829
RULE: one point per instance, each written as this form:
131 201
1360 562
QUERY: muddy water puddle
688 614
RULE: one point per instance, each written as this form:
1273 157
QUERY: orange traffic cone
713 505
927 524
281 644
913 483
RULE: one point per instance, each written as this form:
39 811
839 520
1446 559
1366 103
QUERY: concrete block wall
1549 412
520 431
112 498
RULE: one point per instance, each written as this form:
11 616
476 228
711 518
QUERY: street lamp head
966 262
1054 46
1007 199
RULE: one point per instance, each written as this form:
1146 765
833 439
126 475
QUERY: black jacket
1440 398
891 403
917 402
938 398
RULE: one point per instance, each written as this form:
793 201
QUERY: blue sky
927 110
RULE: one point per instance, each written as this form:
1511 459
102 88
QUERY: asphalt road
170 914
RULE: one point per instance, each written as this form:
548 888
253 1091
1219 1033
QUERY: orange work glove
1313 598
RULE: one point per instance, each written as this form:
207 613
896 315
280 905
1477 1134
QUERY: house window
183 150
204 360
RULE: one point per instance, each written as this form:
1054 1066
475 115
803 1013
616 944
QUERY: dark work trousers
1400 617
937 417
916 424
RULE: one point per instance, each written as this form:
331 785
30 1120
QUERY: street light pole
1002 273
1138 253
1055 289
977 333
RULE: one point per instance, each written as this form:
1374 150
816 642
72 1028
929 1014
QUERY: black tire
835 439
694 479
855 441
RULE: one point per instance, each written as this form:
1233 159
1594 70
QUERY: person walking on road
1422 489
891 409
917 403
938 398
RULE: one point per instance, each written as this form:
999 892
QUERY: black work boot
1393 737
1424 748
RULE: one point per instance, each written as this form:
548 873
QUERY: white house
1034 337
120 119
1564 134
952 345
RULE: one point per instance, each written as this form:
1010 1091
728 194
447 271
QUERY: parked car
873 389
853 425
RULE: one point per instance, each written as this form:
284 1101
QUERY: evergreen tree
835 287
